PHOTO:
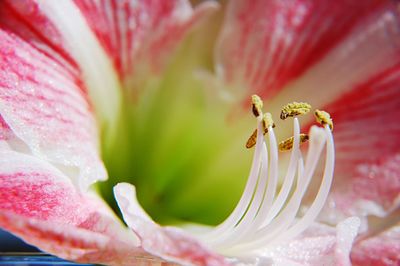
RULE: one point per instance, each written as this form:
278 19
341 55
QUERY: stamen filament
287 215
272 186
322 194
262 217
246 224
245 200
300 168
288 180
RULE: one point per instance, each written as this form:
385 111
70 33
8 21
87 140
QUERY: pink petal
65 241
319 245
77 244
140 36
27 20
367 177
379 250
168 243
65 36
60 39
5 131
39 204
371 47
139 40
45 106
346 233
265 45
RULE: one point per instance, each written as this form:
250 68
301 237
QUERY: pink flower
125 90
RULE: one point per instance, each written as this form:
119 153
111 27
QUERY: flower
75 75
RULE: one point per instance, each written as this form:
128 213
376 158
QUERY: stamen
324 118
267 122
270 233
294 109
270 190
300 169
322 194
257 105
261 217
287 144
240 209
245 225
282 197
252 140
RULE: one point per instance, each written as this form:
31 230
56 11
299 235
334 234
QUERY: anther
252 140
266 122
324 118
287 145
294 109
257 105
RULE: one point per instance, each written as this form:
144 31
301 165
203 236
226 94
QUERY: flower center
264 216
166 149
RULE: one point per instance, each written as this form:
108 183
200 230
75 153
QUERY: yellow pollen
257 105
266 122
324 118
294 108
252 140
287 144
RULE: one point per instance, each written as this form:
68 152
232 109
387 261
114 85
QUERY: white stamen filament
322 194
234 218
261 217
270 213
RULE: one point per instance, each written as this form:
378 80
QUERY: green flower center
180 146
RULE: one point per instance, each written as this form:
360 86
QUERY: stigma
268 214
